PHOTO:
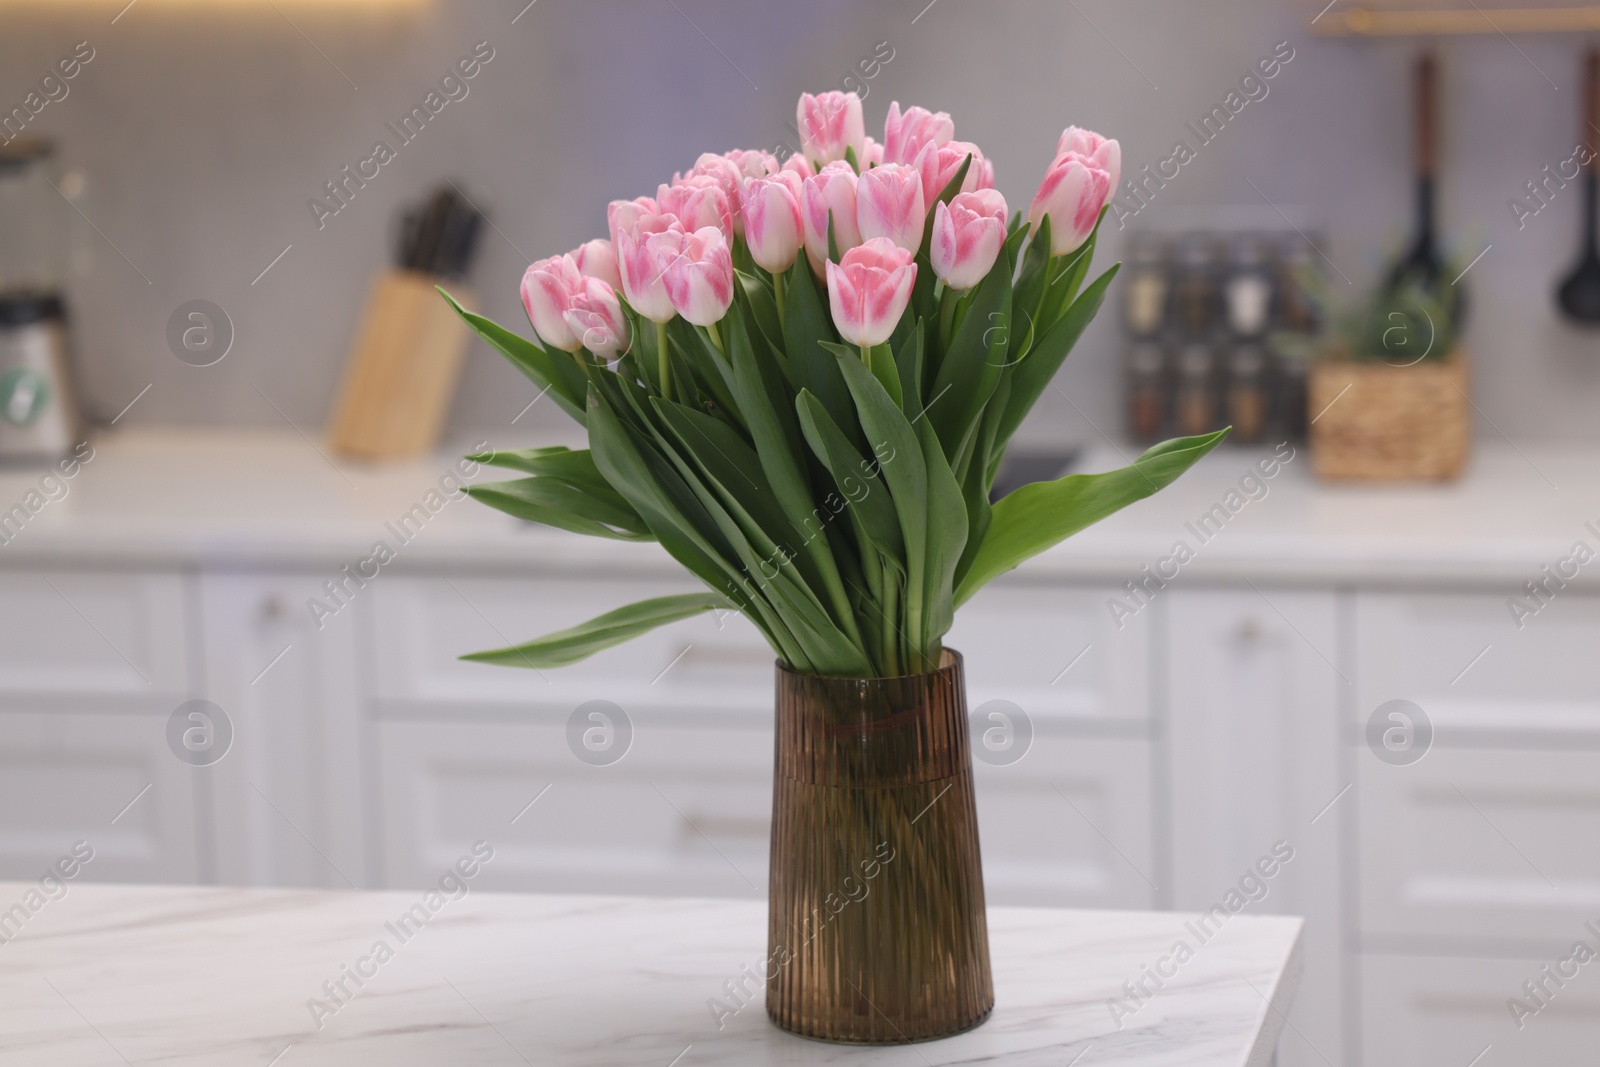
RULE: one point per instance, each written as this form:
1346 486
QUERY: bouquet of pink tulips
800 377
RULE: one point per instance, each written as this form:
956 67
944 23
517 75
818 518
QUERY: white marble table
222 977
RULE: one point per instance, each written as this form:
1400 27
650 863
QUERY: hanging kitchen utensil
1421 268
1579 295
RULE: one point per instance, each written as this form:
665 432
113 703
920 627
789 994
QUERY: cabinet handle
1250 630
272 607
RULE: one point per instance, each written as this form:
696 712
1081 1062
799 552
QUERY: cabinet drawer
1055 652
1481 844
1448 1010
424 624
1479 677
66 777
92 633
685 811
1069 825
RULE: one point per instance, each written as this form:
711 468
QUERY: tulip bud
829 123
799 165
598 259
871 154
698 271
622 214
1103 151
831 191
868 290
904 135
595 318
728 177
697 201
547 291
772 224
752 162
938 163
641 275
889 204
1072 193
968 233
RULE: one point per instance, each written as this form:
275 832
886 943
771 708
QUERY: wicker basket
1375 422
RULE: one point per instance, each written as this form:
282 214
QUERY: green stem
891 636
938 289
716 338
866 356
779 296
947 314
662 361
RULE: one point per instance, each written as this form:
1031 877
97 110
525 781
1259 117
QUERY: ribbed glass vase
876 928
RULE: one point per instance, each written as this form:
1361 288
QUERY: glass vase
876 927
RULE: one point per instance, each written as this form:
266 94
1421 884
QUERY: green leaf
613 628
1031 377
563 505
1041 515
855 477
555 372
947 536
806 325
908 362
972 366
882 367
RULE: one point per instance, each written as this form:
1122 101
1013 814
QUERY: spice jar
1144 302
1147 392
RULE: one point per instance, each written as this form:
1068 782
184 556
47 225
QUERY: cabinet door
1056 652
82 636
1455 1010
686 809
288 797
1255 691
105 778
1068 825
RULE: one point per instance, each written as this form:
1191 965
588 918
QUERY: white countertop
251 498
221 977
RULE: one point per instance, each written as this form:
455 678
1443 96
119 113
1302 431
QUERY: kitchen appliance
38 405
1579 295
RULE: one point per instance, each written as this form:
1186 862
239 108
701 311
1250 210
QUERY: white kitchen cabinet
685 810
1254 692
92 663
288 802
1453 1009
103 777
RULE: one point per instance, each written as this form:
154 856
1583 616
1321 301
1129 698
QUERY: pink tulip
868 290
938 163
698 271
1072 193
1105 152
871 154
697 201
772 223
967 235
752 162
598 259
547 291
829 123
641 275
595 318
728 177
889 204
798 164
904 135
831 191
622 214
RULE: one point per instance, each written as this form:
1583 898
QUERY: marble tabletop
217 977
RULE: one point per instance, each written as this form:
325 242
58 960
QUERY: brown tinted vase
876 929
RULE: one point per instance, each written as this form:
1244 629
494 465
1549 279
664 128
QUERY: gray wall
203 133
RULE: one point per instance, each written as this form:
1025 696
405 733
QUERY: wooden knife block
402 373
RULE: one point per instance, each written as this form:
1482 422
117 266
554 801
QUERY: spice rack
1218 331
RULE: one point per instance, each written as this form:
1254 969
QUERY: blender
39 419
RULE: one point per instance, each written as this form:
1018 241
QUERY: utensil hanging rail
1363 21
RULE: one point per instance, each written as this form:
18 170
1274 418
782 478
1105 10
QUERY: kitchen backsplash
204 163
